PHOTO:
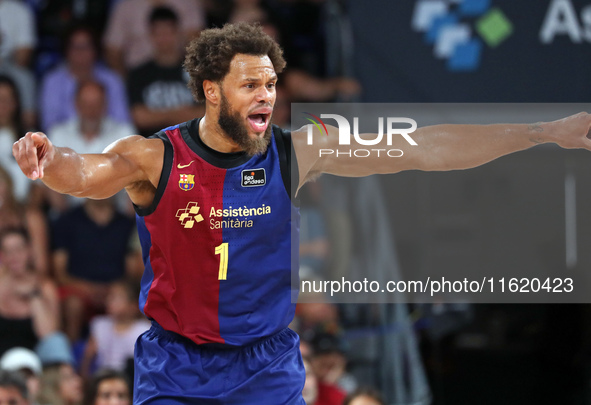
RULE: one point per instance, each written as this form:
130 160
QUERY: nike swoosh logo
180 166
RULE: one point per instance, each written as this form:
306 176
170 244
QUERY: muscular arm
439 147
133 163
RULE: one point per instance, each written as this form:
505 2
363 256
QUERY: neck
213 136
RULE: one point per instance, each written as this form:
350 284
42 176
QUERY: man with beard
220 297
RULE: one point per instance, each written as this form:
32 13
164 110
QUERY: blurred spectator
17 32
13 389
25 110
108 387
319 330
134 265
29 306
306 87
305 349
329 362
54 19
249 11
55 349
113 336
316 393
27 363
11 129
314 313
127 38
364 396
90 131
158 89
303 28
10 110
58 92
16 215
55 16
90 246
60 385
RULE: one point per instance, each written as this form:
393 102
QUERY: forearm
452 147
438 148
98 175
65 172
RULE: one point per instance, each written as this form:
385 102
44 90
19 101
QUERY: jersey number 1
222 250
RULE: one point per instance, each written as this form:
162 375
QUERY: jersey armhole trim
286 161
164 176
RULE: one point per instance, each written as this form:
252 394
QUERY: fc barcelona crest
187 182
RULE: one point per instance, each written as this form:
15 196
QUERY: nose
265 94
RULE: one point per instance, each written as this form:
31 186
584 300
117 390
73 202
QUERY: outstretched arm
439 147
133 163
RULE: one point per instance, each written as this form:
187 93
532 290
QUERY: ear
212 91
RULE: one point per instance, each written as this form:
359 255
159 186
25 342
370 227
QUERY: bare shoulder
145 153
137 148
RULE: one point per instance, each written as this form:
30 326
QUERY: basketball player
212 197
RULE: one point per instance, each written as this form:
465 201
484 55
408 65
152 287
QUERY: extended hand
33 152
570 132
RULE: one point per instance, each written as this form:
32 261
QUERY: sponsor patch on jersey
189 215
187 182
253 177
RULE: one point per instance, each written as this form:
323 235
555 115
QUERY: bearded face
236 128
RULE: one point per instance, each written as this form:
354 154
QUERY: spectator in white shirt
91 131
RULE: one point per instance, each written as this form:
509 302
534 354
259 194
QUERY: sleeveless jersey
216 241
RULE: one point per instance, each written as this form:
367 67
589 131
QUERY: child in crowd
108 387
112 336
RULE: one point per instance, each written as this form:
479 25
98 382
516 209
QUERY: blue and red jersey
217 241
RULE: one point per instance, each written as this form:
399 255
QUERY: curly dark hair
209 55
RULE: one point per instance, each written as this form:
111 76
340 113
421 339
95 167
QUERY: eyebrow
253 79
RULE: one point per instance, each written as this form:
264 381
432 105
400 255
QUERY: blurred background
88 72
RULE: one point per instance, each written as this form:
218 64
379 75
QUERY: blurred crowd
89 72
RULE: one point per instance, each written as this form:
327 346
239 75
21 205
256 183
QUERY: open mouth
259 122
